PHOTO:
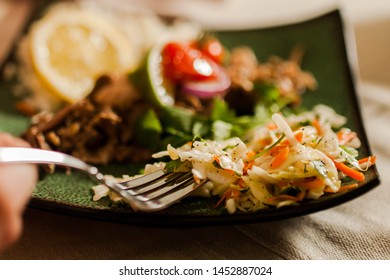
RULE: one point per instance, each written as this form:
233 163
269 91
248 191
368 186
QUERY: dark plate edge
161 220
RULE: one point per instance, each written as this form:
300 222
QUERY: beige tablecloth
359 229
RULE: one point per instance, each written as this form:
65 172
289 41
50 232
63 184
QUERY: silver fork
152 192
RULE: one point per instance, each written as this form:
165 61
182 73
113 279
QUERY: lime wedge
148 78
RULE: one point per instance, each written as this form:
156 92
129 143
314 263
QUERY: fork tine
174 194
152 181
179 193
161 187
159 192
143 180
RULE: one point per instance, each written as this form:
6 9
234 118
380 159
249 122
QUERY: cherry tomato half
183 62
214 49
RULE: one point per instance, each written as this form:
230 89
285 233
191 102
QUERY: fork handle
39 156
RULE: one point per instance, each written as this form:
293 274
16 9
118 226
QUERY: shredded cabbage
279 164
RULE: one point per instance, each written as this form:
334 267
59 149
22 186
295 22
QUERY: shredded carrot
235 193
354 174
227 194
298 136
329 190
222 199
241 183
280 157
318 127
250 154
216 159
276 150
348 187
248 166
196 179
371 160
311 184
189 143
264 141
229 171
268 149
345 137
272 126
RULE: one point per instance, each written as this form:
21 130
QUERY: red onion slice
208 89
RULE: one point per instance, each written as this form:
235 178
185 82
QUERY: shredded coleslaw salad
284 162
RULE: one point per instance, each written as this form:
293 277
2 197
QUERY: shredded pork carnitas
95 129
287 76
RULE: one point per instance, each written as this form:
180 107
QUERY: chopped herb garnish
173 165
319 165
270 147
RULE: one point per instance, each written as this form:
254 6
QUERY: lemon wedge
70 47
